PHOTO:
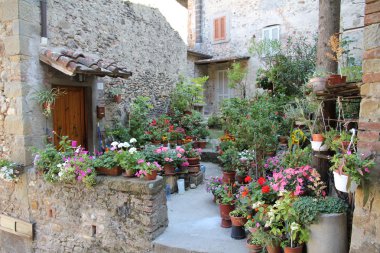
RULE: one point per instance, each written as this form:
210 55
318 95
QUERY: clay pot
169 169
202 144
100 112
238 221
273 249
293 250
225 215
336 79
229 177
193 168
254 248
318 84
153 176
156 142
318 137
188 112
117 98
193 160
129 173
115 171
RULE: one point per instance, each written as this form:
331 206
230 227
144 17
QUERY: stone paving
194 223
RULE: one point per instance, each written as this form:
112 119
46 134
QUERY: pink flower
366 170
179 155
349 152
166 159
300 180
298 190
158 151
257 224
140 161
185 164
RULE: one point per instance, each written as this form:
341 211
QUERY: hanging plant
46 98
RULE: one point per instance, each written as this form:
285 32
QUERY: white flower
294 226
257 204
132 150
114 144
121 145
126 145
133 140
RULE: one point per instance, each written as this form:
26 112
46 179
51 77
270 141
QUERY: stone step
160 248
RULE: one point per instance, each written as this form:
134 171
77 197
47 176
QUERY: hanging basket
341 182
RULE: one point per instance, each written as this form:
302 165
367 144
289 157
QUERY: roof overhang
184 3
197 54
72 63
222 60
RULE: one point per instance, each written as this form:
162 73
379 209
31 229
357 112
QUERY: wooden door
69 115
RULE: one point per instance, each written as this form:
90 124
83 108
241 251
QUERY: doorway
69 115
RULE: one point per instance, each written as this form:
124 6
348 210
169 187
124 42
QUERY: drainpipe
43 7
198 23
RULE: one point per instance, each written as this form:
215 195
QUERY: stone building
85 42
84 48
221 32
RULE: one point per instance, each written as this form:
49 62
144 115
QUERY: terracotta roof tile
75 62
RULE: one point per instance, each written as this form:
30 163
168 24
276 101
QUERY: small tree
237 78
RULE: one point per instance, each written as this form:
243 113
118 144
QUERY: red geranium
154 122
265 189
247 179
261 181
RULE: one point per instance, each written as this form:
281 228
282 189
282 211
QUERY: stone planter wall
117 215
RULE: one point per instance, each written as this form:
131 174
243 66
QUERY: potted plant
323 216
170 158
318 81
127 160
147 170
226 203
116 92
338 54
213 186
193 155
238 217
9 171
106 164
203 133
350 170
46 98
256 242
229 160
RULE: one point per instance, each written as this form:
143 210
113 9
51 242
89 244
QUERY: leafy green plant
115 90
187 93
118 132
309 208
106 160
46 98
239 212
215 122
258 238
237 78
229 159
127 159
226 195
138 118
9 171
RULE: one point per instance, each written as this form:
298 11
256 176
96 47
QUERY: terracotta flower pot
117 98
225 215
156 142
293 250
129 173
152 176
193 168
193 160
202 144
318 84
228 177
273 249
240 179
115 171
169 169
238 221
336 79
317 137
254 248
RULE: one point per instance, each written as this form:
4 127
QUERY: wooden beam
16 226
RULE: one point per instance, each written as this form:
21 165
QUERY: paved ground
194 223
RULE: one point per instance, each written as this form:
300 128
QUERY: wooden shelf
345 90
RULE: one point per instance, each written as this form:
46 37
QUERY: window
271 33
222 89
220 28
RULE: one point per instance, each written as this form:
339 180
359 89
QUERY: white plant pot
341 183
329 234
317 146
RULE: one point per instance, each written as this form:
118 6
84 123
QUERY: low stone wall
117 215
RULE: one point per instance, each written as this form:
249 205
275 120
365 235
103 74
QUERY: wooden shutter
223 28
216 29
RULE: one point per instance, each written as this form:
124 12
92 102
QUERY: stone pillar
19 68
366 222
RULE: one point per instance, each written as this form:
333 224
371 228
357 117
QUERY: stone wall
366 222
136 36
117 215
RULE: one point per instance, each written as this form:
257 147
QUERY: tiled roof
74 62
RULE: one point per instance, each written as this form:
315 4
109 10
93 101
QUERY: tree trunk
329 24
